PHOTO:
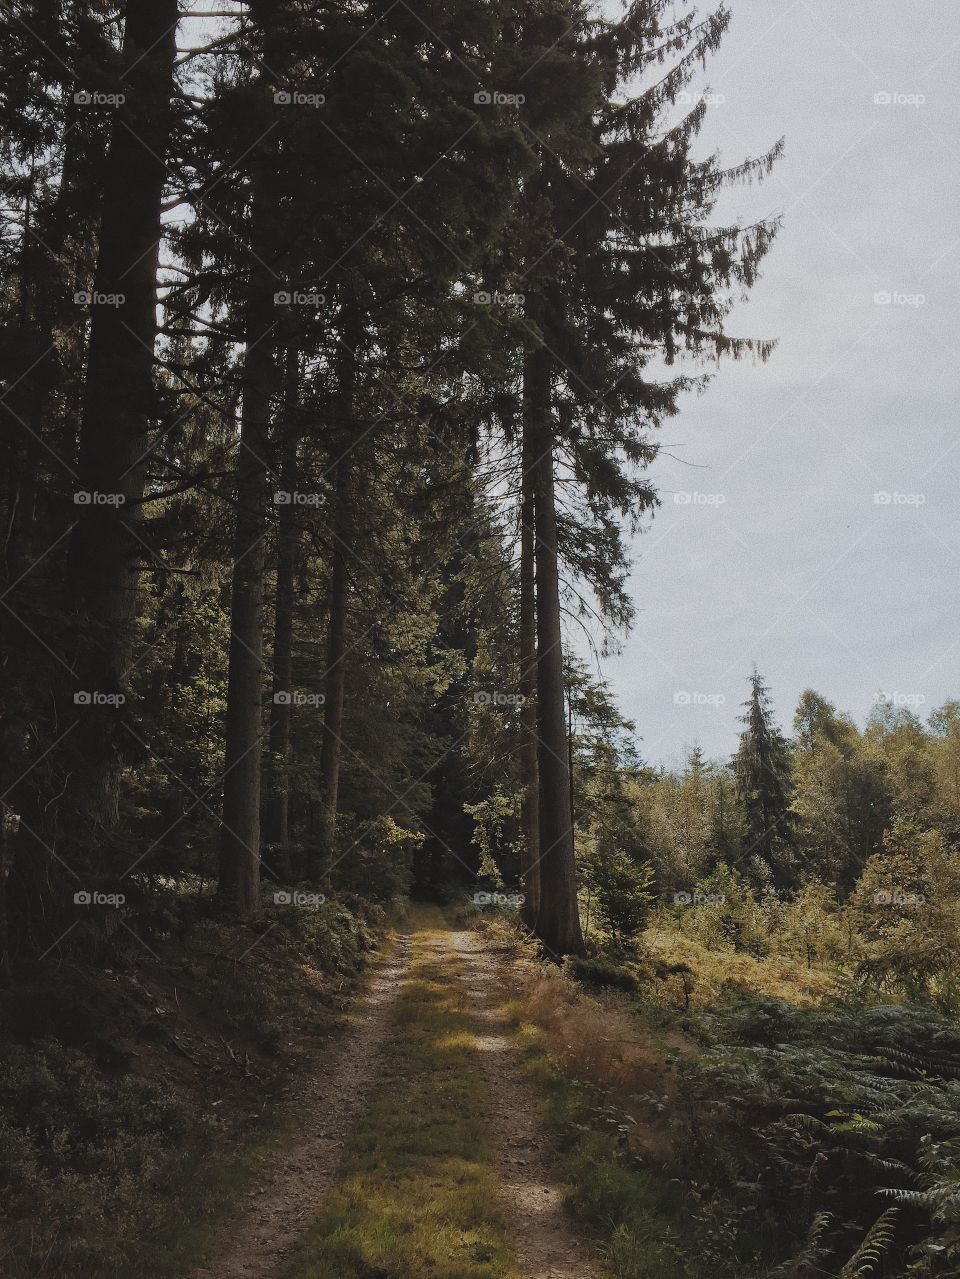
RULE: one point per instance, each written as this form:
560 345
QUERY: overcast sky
771 546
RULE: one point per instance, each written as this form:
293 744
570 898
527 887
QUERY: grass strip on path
417 1190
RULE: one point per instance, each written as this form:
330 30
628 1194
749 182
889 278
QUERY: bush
96 1155
601 972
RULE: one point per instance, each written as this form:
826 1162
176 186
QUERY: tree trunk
342 533
336 679
277 806
239 881
8 828
118 407
529 771
558 920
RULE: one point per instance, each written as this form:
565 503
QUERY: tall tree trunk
239 881
118 406
37 435
277 806
529 771
558 919
342 532
8 827
336 679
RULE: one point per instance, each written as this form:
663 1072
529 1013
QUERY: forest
345 929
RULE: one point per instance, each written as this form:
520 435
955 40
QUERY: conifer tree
762 769
619 266
119 407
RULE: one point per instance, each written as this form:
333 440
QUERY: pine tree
762 767
618 267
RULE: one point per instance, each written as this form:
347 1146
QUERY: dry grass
597 1038
718 976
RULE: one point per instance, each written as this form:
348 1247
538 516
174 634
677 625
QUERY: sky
809 519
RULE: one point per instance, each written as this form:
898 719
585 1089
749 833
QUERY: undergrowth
139 1083
760 1139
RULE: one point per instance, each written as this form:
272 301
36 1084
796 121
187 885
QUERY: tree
762 769
621 886
945 755
841 799
906 910
618 267
119 410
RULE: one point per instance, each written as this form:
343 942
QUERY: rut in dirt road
259 1240
544 1242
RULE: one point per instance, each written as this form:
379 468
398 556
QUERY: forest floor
423 1148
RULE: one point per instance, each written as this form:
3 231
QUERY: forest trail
260 1237
544 1241
434 1187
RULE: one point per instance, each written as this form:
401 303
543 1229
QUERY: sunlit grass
719 974
417 1194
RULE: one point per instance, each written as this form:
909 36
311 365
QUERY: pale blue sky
798 568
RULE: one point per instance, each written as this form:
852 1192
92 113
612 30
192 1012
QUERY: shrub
601 972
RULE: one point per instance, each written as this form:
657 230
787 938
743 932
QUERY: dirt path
260 1238
263 1239
545 1244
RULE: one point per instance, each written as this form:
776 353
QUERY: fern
812 1252
797 1111
874 1247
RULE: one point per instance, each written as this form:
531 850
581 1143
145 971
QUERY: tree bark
117 410
558 919
277 806
8 826
342 532
336 676
529 770
239 880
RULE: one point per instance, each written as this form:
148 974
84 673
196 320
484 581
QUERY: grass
585 1081
417 1193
